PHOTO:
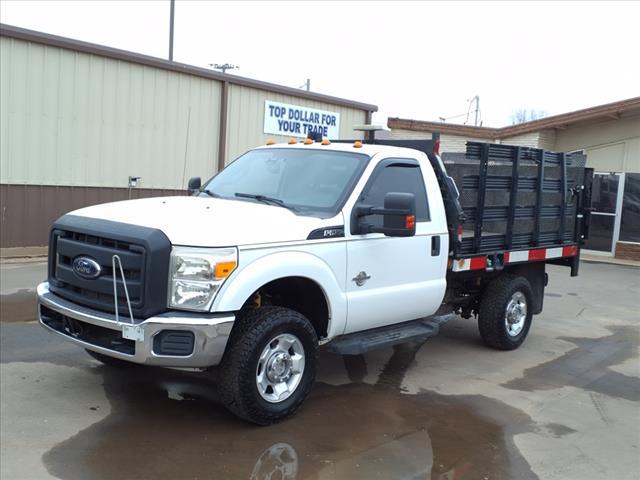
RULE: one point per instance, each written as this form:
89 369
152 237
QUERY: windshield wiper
266 199
211 194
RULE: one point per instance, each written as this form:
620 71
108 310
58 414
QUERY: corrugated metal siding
246 118
71 118
44 204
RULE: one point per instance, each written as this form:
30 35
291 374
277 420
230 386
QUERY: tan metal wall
246 118
72 118
77 119
612 145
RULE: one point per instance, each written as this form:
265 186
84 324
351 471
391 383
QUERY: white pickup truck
350 246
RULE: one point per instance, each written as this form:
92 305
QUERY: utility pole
477 100
223 67
171 17
306 85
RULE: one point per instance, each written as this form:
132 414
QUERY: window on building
630 221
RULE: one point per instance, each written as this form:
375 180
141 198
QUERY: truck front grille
144 253
98 292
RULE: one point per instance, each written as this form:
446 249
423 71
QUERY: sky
419 60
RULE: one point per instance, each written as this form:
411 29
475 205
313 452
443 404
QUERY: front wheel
506 312
270 364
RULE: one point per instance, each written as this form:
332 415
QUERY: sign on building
295 121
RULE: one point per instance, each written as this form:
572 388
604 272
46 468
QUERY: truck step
388 336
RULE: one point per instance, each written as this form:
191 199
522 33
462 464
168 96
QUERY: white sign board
295 121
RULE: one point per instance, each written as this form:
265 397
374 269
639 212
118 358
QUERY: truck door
396 279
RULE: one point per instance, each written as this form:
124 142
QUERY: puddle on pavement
168 424
18 307
587 366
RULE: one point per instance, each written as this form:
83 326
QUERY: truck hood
211 222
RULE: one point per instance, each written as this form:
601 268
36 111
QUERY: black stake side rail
510 241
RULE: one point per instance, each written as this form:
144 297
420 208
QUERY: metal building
77 120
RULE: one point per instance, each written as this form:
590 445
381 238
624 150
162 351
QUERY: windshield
307 181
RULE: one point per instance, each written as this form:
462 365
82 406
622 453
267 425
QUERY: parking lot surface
566 405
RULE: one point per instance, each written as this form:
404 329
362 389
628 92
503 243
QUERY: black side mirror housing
398 216
399 219
194 184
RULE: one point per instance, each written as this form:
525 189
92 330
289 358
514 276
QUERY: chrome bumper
211 332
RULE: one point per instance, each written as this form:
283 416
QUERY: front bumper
99 331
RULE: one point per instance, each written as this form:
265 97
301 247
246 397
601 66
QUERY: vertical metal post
539 191
222 136
482 188
563 193
171 18
513 196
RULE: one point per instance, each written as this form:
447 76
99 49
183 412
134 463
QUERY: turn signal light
308 141
270 142
357 144
326 141
292 141
224 269
410 222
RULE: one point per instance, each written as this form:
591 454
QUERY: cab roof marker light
308 141
357 144
326 141
270 142
292 141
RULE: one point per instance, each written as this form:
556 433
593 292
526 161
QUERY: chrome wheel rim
280 368
515 314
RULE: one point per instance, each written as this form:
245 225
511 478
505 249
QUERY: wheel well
297 293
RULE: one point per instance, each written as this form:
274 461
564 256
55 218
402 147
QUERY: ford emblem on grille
86 267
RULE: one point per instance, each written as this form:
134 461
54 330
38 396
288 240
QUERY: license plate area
133 332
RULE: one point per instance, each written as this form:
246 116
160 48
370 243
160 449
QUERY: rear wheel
110 361
270 364
506 312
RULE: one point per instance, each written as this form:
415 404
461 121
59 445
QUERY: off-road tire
237 373
110 361
491 320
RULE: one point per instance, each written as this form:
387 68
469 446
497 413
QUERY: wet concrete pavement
565 405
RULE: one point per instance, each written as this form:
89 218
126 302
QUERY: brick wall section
547 139
524 140
448 143
628 251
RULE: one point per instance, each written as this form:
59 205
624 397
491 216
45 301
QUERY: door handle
435 245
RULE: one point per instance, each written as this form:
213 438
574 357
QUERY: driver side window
395 175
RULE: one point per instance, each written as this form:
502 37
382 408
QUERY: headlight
197 274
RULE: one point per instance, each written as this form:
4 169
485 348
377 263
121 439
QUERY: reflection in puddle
350 431
278 462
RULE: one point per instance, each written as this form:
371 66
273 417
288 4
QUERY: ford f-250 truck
294 246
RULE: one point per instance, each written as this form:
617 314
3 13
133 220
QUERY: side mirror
398 216
194 185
